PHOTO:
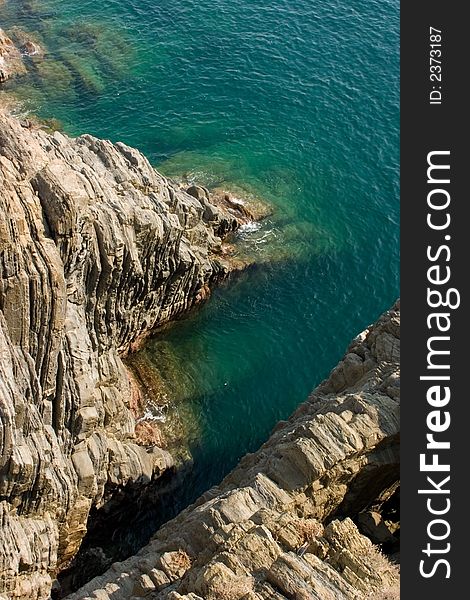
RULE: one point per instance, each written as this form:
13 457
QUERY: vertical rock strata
96 250
276 527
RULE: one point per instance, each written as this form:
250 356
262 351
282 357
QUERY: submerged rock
279 527
27 43
11 62
97 249
31 48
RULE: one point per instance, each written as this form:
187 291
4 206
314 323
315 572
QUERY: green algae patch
163 415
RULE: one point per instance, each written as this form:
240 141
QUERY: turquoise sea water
295 101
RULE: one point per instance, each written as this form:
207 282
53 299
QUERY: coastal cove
291 103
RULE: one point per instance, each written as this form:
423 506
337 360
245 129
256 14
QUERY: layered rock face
275 528
96 250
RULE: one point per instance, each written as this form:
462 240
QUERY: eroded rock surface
11 62
96 250
276 527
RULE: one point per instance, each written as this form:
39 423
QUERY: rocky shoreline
97 251
280 525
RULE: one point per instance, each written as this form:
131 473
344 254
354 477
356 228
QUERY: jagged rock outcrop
276 527
96 250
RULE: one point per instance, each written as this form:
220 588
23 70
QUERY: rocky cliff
11 58
96 250
279 527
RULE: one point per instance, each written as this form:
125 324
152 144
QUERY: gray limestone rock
259 533
97 249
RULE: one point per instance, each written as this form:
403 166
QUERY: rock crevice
276 527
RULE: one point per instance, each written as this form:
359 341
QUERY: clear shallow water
295 101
